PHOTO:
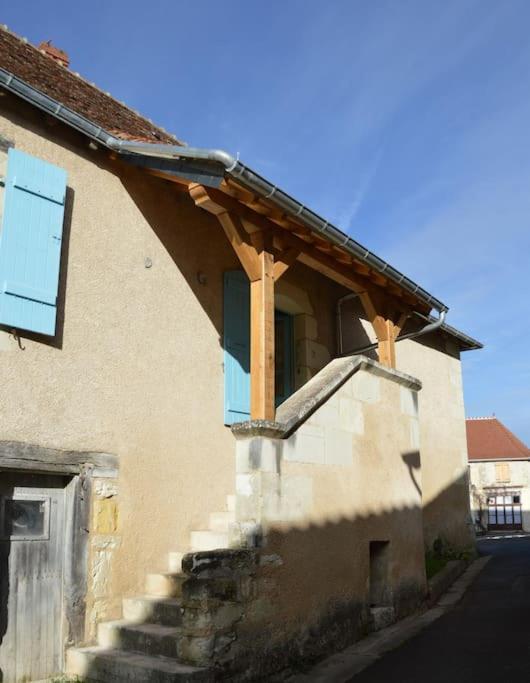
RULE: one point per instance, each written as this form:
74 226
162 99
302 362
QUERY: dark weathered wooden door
32 530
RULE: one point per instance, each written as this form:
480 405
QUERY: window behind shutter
236 346
30 243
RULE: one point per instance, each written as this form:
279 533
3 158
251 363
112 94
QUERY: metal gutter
246 176
232 166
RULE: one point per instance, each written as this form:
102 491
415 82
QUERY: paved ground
485 637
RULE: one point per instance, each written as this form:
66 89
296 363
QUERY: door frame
288 319
81 467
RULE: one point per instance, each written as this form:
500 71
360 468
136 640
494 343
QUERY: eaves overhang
210 167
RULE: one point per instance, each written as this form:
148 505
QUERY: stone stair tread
151 629
206 539
150 639
152 609
221 521
164 584
176 602
143 663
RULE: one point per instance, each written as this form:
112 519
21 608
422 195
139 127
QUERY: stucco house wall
435 361
443 446
136 368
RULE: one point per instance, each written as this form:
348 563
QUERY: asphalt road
486 637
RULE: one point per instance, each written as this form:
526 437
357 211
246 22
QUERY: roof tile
489 439
42 72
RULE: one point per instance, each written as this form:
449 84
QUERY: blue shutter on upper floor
236 346
30 243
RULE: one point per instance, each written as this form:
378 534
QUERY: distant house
228 431
499 472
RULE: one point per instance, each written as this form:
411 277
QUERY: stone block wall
347 475
104 540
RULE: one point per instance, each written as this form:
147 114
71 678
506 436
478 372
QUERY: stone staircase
170 633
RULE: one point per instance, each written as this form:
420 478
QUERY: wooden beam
262 376
386 349
218 202
284 260
239 239
382 315
398 327
181 184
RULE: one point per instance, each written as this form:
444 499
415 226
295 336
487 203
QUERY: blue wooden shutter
237 346
30 243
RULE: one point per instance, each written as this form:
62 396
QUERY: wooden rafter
218 202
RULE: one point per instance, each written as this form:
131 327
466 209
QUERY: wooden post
386 347
386 330
262 390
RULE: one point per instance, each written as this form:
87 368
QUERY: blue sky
406 122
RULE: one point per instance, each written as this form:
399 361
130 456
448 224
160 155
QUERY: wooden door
32 530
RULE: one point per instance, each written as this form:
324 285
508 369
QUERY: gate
504 512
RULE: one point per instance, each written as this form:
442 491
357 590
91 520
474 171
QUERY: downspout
430 327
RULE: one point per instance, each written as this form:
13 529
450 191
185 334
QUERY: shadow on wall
321 597
5 550
192 238
315 587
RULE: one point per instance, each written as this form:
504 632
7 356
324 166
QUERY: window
25 518
502 471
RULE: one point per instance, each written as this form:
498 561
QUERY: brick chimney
57 55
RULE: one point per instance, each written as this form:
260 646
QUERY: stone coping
302 404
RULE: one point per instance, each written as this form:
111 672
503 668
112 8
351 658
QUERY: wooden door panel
32 522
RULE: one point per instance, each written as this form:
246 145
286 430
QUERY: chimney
57 55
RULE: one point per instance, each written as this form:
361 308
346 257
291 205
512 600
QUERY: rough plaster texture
441 438
350 474
136 370
440 435
136 366
483 483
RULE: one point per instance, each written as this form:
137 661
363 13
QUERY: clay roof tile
489 439
44 73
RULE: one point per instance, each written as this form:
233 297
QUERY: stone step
221 521
208 540
167 585
231 503
175 561
149 639
114 666
146 609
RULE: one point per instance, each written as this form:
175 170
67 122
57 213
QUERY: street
486 637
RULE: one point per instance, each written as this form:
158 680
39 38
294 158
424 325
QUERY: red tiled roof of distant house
489 439
46 74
